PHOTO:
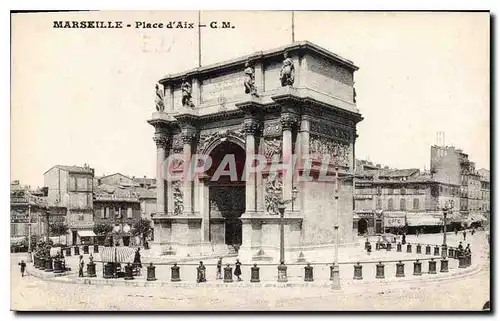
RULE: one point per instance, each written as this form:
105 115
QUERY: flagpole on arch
199 38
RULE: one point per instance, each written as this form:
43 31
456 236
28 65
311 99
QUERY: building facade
118 206
295 100
71 187
392 200
27 207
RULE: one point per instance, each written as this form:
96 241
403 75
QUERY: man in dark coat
465 235
137 259
23 267
237 269
201 276
81 264
403 239
219 269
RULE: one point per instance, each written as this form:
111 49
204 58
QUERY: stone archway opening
226 195
362 226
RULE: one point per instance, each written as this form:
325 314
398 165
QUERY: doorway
362 226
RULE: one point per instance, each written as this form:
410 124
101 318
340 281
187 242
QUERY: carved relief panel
274 185
178 198
338 152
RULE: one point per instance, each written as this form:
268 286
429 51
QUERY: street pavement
468 292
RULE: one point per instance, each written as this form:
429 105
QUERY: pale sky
84 95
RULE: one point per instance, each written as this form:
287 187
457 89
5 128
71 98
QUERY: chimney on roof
378 165
386 167
144 176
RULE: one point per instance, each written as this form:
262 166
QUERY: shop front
394 222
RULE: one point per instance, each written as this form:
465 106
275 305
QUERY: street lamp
30 258
336 268
281 204
448 207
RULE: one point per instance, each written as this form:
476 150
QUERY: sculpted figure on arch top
287 72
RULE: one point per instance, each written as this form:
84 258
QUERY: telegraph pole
293 26
30 259
336 268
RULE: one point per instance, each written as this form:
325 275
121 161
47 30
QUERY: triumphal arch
293 107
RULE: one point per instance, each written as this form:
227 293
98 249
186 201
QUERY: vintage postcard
250 161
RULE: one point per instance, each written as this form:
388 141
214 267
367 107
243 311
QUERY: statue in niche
250 80
160 103
354 94
287 72
187 91
272 149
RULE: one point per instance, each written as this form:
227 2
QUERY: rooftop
240 61
74 169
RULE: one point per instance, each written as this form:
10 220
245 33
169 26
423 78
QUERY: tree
102 229
58 229
142 228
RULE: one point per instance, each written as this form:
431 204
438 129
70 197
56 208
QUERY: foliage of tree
103 229
43 248
142 228
58 229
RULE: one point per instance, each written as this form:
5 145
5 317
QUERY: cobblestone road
464 293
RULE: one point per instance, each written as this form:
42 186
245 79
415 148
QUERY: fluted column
288 122
188 137
161 145
251 128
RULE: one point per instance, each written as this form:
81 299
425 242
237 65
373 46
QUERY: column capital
252 127
160 140
288 121
188 136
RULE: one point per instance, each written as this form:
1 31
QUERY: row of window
390 204
116 212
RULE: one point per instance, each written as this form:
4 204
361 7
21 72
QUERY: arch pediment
210 141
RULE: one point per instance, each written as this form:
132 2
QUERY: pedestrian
219 269
456 231
460 248
23 267
473 231
80 266
137 259
237 269
201 273
467 249
404 239
465 235
417 232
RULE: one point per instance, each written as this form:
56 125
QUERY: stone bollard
91 270
43 263
388 246
308 273
77 250
175 273
398 247
400 269
254 276
380 271
419 249
444 265
408 248
450 253
228 274
282 272
417 268
96 248
85 249
128 272
68 251
58 268
377 246
358 272
109 270
35 261
432 266
428 250
151 272
48 265
461 261
436 250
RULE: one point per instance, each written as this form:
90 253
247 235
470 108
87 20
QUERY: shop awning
423 221
478 218
118 254
86 233
17 240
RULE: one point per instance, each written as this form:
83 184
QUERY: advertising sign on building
394 221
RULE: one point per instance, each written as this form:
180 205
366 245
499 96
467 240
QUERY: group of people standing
201 275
